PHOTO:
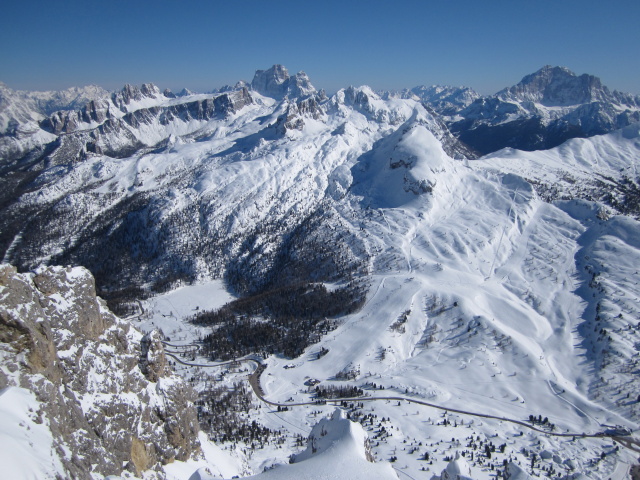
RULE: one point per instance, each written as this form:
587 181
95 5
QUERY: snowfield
501 303
502 287
22 433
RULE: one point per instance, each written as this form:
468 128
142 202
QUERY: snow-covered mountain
180 144
491 302
276 83
542 111
21 111
445 100
19 107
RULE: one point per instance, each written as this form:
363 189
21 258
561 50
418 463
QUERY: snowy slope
501 314
337 448
503 286
27 443
601 168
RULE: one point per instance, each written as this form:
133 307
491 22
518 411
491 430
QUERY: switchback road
254 381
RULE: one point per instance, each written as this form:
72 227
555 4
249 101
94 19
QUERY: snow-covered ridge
18 107
299 149
336 448
544 109
124 121
504 286
601 168
444 99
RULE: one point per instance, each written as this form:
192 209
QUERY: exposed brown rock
107 394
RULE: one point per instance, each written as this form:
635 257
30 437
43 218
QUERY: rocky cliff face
557 87
105 391
276 83
117 125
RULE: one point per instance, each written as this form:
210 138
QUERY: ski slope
498 285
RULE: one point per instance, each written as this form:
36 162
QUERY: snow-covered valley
504 286
508 332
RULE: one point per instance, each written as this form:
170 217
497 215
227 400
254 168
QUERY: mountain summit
557 87
542 111
276 82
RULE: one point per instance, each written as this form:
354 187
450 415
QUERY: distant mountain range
46 134
545 109
368 245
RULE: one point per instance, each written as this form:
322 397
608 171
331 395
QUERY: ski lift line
502 235
306 432
559 395
404 473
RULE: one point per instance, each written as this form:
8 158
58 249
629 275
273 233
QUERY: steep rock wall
105 391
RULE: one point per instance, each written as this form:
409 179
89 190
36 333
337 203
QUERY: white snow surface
501 312
502 289
27 444
336 450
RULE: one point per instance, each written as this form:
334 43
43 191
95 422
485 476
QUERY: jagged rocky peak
103 395
93 113
271 82
21 107
231 88
293 117
276 83
557 86
358 97
542 111
231 102
301 85
153 361
150 90
185 92
130 93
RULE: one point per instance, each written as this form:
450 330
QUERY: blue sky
201 45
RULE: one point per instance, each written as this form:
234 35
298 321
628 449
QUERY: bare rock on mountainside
276 82
106 394
542 111
153 361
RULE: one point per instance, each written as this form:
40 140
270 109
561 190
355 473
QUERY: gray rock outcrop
106 392
276 83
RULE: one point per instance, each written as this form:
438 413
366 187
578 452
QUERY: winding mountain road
254 380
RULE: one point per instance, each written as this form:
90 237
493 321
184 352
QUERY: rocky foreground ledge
90 395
